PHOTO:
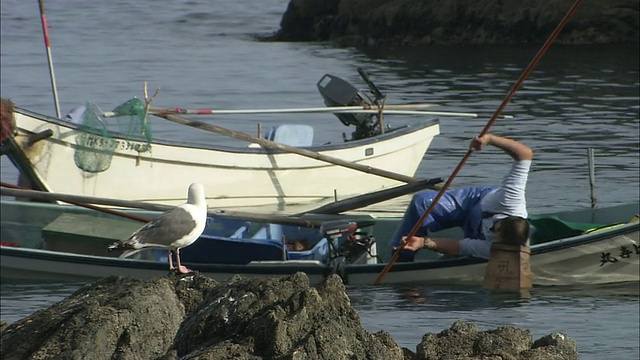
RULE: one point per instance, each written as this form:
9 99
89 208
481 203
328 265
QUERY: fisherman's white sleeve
510 198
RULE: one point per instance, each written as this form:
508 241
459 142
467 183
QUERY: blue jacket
459 207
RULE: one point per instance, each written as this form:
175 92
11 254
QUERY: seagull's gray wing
165 229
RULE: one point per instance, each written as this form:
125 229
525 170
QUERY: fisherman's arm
446 246
515 149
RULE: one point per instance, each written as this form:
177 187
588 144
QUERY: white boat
64 157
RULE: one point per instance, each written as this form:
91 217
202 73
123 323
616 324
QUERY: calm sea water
603 320
204 54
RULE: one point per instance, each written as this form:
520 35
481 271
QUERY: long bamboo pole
332 110
47 44
20 191
407 109
504 103
303 152
326 109
372 109
361 201
91 202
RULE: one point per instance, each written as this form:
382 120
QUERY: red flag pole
45 32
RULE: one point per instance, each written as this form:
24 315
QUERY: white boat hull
232 177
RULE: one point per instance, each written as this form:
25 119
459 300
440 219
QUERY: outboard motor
338 92
337 228
356 246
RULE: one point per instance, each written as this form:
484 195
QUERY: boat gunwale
612 232
537 249
286 268
389 135
93 260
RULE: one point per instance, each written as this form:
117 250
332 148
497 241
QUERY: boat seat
240 233
225 250
291 134
226 227
270 231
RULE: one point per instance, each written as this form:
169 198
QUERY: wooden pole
592 177
24 192
303 152
89 202
360 201
504 103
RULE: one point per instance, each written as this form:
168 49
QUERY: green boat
65 242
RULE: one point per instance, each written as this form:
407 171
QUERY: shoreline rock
195 317
426 22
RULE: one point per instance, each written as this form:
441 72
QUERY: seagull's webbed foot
183 269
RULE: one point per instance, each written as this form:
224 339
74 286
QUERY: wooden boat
568 248
65 157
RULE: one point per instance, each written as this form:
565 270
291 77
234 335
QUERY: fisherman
485 214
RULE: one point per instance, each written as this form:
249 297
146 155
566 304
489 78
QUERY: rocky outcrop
194 317
464 341
423 22
7 121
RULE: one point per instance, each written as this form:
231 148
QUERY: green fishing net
132 121
95 140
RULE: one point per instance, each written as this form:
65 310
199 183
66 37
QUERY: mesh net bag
95 143
131 120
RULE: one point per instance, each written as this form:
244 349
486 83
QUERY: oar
274 145
329 209
89 202
506 100
20 191
360 201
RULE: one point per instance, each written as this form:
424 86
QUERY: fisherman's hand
414 243
477 143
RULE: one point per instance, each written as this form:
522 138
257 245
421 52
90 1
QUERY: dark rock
553 346
7 120
423 22
281 318
463 341
308 20
119 318
194 317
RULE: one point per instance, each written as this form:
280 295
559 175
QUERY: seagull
172 230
